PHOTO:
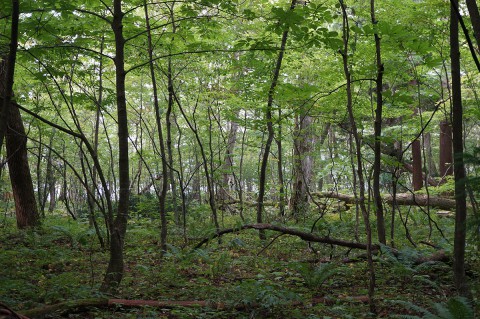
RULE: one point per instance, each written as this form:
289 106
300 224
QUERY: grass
63 261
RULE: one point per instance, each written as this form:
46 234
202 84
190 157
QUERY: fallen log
289 231
401 198
75 306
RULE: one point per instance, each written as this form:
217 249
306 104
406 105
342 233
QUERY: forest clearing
239 159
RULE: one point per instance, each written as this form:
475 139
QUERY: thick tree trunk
459 168
400 199
11 126
20 178
302 160
417 176
7 71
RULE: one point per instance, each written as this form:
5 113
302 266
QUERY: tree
11 125
118 225
378 131
269 123
459 168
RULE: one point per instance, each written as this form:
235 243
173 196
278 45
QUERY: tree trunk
359 160
11 126
20 178
228 179
302 167
118 226
378 134
163 156
270 132
7 72
475 19
281 182
417 165
427 141
459 169
446 154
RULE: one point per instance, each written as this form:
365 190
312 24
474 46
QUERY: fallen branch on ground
83 304
289 231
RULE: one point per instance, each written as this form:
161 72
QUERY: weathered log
83 304
401 198
289 231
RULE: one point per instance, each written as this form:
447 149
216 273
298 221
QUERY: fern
454 308
316 276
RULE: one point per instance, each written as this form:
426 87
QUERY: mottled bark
303 142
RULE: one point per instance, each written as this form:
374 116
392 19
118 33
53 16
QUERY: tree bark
290 231
475 19
446 154
378 134
302 168
358 153
417 175
162 195
459 168
11 126
20 177
118 226
401 199
269 122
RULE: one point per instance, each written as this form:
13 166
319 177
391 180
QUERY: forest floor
241 277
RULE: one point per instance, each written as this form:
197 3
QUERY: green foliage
454 308
316 275
268 296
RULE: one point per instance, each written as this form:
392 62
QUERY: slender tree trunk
459 169
163 156
210 185
269 122
446 153
377 199
168 119
118 226
359 160
281 182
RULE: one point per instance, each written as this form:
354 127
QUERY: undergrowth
244 277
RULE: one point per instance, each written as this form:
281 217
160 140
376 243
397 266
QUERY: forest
239 159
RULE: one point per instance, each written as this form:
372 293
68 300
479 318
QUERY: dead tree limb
289 231
75 306
401 199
